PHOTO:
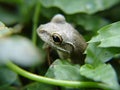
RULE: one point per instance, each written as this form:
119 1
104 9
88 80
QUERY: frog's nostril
41 31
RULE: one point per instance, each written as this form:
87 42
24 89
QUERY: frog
64 38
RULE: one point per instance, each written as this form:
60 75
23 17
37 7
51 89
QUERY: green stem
35 22
74 84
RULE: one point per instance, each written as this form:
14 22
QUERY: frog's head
57 34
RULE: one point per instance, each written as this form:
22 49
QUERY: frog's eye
57 38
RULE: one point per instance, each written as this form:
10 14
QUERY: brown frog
61 36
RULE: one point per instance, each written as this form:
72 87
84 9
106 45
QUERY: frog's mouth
63 50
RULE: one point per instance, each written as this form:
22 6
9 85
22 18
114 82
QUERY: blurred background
24 16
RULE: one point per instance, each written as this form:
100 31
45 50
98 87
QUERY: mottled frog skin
61 36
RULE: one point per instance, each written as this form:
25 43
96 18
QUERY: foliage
86 6
97 20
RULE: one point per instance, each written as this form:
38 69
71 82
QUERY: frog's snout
41 31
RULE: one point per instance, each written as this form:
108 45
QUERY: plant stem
35 22
74 84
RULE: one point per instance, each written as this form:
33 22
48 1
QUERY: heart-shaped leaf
102 73
108 36
63 70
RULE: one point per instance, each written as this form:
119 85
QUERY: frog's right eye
57 38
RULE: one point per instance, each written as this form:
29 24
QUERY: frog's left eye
57 38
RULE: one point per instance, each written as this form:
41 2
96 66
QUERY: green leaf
63 70
8 88
102 73
49 12
8 17
26 10
7 77
76 6
105 45
20 50
97 55
38 86
108 36
12 1
89 22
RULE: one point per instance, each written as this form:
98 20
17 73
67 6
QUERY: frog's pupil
57 39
